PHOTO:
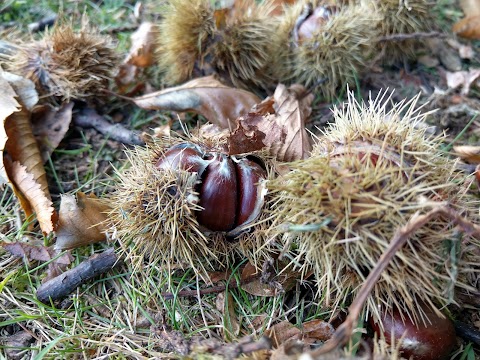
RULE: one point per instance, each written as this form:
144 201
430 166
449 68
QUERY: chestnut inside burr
229 187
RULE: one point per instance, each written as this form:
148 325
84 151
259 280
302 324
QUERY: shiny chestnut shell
229 186
433 340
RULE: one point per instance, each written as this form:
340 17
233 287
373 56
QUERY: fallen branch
345 330
412 36
88 118
64 284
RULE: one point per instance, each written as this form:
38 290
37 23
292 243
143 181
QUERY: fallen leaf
24 167
49 126
16 344
39 252
284 128
216 276
447 56
470 7
206 96
468 153
246 137
282 280
32 196
465 51
318 330
226 305
462 78
468 27
281 332
8 105
163 130
142 47
81 221
126 79
24 89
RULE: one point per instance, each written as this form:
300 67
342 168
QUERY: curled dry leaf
8 105
24 89
24 166
468 153
49 127
206 96
282 280
226 305
470 7
462 78
142 47
468 27
81 221
32 196
281 332
39 252
21 157
278 123
317 330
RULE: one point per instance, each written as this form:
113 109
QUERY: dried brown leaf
281 332
317 329
39 252
226 305
32 196
8 105
284 281
26 171
142 47
285 133
24 89
462 78
470 7
206 96
81 221
246 137
468 153
49 126
468 27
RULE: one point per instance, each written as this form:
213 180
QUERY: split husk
154 215
67 64
238 44
336 48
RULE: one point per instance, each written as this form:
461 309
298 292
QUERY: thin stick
344 332
88 118
64 284
411 36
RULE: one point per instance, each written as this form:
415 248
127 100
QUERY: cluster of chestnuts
229 187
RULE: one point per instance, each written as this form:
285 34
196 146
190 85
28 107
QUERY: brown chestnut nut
432 340
230 190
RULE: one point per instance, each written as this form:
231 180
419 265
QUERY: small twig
89 118
47 21
344 332
244 346
213 289
64 284
411 36
467 332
